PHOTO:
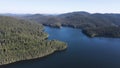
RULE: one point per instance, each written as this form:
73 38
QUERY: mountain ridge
83 20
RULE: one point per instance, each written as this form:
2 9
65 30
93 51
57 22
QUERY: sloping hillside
77 19
105 25
21 40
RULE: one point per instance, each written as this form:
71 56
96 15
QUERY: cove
82 52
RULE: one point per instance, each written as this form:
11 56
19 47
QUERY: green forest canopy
21 40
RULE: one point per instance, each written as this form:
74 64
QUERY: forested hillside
77 19
103 32
21 40
83 20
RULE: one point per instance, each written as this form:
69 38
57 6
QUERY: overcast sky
59 6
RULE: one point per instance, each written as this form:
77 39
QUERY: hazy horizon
57 13
58 7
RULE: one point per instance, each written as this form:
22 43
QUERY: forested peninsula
24 40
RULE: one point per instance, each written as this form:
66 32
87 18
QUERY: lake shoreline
24 40
85 31
47 55
82 52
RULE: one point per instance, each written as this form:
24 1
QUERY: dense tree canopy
21 40
97 24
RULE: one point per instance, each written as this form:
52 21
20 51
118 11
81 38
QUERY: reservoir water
82 52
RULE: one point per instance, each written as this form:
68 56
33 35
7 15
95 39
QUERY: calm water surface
82 52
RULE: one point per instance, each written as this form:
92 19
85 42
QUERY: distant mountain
14 15
92 24
83 20
77 19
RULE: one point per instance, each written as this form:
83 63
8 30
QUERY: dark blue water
82 52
